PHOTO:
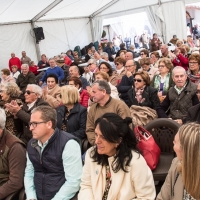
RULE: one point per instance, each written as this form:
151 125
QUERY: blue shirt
72 164
56 70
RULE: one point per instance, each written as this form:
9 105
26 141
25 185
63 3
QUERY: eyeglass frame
137 80
34 124
28 92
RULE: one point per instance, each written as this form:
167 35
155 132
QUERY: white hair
104 54
25 65
2 118
92 60
37 89
178 68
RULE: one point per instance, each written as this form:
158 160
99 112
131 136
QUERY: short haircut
178 68
43 55
196 57
76 68
52 59
14 66
52 76
145 51
35 88
156 54
2 118
92 60
25 66
168 63
103 85
122 45
165 45
77 81
12 89
103 74
144 75
145 61
124 51
47 114
104 54
6 71
110 72
69 95
120 60
186 47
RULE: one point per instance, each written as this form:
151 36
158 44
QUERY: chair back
163 131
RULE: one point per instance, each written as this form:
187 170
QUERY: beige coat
170 184
136 184
51 98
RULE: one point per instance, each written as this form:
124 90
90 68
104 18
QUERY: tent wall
16 38
61 35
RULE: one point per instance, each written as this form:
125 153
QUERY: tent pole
92 28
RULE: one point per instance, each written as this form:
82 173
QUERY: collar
45 144
179 90
30 105
110 98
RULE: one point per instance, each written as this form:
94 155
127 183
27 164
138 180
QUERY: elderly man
129 56
166 53
25 59
74 72
14 61
180 97
13 160
51 92
53 69
25 78
54 165
33 94
104 103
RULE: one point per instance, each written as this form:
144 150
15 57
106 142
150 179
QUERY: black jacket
76 120
193 114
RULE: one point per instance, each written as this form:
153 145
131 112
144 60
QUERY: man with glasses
130 56
54 165
33 94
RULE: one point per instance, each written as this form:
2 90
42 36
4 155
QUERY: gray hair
92 60
25 65
165 45
2 118
103 85
104 54
47 114
12 89
37 89
178 68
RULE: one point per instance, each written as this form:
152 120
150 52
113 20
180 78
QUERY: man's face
23 53
39 130
97 95
12 55
51 83
92 66
163 49
129 56
25 70
73 72
179 78
52 63
130 66
30 95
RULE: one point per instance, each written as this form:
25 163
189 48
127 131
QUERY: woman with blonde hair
71 116
183 178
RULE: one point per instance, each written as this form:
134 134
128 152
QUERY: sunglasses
137 80
28 92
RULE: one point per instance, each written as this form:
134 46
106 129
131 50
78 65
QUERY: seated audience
13 160
58 177
179 43
84 96
43 62
71 116
166 53
104 103
144 53
117 163
129 56
6 77
182 181
14 61
194 69
33 68
163 81
26 77
190 41
10 91
155 43
127 80
15 73
89 55
154 58
51 92
33 94
77 60
174 40
147 67
88 75
179 98
69 54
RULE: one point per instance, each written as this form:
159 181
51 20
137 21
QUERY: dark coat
193 114
84 82
110 52
150 96
22 122
76 120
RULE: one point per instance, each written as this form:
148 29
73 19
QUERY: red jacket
84 96
34 69
14 61
68 61
181 61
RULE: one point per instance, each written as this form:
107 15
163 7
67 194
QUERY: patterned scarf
138 95
194 78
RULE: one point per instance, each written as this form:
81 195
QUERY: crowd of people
48 110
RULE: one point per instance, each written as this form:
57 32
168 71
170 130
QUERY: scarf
138 94
194 78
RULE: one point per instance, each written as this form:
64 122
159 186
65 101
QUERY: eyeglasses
34 124
28 92
137 80
128 66
198 92
161 66
192 63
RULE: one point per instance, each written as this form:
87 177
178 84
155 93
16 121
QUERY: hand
13 107
58 97
179 121
45 91
40 83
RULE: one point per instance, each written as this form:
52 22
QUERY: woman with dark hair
154 57
113 167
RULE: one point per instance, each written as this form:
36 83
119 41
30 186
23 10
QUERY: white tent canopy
67 23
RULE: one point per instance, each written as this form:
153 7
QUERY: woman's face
138 82
104 147
179 44
3 94
103 68
143 55
98 77
14 69
118 65
153 58
193 65
145 67
177 146
3 75
162 68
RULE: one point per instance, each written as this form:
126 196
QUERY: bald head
129 56
74 71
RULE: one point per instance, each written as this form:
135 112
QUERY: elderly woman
6 77
194 69
163 81
144 53
182 181
113 167
190 41
15 73
71 116
10 91
154 57
147 67
179 43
